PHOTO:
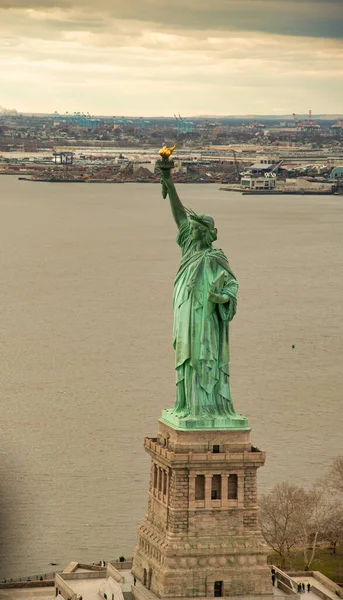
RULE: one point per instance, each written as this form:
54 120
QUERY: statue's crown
199 219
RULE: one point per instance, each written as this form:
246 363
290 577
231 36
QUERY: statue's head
202 227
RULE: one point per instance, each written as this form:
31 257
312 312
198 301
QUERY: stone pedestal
200 536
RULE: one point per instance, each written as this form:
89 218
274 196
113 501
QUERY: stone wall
64 589
219 522
187 544
178 501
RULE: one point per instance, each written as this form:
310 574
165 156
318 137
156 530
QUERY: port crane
178 125
272 173
234 177
337 125
310 123
183 126
300 124
140 124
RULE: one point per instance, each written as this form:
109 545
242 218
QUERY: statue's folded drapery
201 333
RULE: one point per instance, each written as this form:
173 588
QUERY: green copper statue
205 301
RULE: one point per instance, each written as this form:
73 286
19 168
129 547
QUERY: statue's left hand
217 298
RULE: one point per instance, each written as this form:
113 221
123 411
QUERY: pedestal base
236 421
200 536
139 592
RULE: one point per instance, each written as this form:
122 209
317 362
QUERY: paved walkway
87 588
126 586
312 581
279 593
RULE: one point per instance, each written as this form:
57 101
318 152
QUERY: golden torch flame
166 152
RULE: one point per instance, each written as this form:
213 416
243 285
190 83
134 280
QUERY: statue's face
198 231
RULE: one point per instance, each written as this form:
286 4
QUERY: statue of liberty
204 301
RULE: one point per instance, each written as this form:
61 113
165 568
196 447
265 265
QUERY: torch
165 164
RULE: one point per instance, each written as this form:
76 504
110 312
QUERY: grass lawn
325 561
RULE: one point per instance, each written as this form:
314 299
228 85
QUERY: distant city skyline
150 58
266 117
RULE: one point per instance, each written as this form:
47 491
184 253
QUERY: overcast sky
160 57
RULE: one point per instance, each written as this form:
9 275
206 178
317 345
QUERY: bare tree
312 511
335 475
332 528
291 520
279 519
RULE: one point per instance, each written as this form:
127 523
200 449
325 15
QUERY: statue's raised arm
168 187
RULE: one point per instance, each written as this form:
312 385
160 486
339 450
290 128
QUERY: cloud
147 57
288 17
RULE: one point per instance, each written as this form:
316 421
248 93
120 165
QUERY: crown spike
194 217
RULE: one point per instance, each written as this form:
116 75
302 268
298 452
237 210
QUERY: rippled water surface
87 363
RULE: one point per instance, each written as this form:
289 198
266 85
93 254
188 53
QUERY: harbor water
87 362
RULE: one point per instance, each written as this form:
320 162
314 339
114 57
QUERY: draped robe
201 332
